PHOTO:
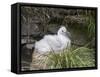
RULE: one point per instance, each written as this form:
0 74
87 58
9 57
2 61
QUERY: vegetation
90 29
72 58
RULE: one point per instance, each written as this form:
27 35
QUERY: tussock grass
72 58
68 58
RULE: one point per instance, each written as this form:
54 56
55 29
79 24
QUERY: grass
91 26
75 57
72 58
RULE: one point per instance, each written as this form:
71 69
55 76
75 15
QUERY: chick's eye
62 31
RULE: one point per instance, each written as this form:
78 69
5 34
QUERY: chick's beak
68 34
